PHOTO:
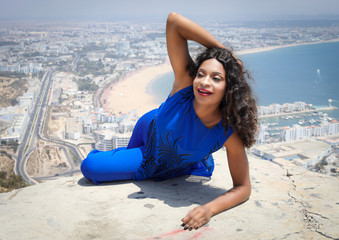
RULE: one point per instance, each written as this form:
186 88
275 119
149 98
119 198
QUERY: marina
289 115
274 126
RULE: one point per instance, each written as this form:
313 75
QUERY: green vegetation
12 74
86 67
17 84
11 88
8 183
39 74
13 101
87 85
4 153
319 167
12 144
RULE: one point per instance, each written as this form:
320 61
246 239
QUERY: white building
17 128
262 135
87 126
114 127
121 140
298 132
107 140
103 140
73 129
285 108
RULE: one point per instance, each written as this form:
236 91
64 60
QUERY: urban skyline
61 71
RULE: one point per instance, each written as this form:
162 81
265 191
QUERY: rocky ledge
287 202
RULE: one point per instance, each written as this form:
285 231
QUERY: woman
210 106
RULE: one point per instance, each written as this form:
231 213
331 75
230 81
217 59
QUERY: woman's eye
199 75
216 79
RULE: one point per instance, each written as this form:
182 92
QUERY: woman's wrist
190 30
210 208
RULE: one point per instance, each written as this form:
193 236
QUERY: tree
3 175
13 144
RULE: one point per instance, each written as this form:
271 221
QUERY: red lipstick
204 92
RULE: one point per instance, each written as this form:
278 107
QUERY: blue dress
177 141
167 142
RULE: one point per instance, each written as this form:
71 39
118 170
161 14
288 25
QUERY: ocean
308 73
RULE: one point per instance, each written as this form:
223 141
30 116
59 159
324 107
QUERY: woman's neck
208 115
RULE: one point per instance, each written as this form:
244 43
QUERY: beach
265 49
131 92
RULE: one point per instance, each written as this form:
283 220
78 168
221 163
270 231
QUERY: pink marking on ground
198 234
176 232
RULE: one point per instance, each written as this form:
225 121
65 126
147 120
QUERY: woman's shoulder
181 98
182 94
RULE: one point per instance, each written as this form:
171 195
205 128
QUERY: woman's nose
205 81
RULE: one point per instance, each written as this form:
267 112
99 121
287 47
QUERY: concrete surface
287 202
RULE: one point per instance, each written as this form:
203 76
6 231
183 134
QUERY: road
34 129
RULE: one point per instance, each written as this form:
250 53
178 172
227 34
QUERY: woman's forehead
212 65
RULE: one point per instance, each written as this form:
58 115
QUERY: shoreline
266 49
134 91
149 87
131 92
332 108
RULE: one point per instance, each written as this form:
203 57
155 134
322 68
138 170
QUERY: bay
308 73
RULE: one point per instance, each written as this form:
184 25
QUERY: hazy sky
127 9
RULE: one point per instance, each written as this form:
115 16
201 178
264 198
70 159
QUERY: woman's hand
196 218
238 165
178 31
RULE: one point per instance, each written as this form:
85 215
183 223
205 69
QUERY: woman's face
210 83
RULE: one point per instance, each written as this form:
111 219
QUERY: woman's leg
139 135
121 163
118 164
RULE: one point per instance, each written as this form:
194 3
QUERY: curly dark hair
238 107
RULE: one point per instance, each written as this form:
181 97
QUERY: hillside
10 89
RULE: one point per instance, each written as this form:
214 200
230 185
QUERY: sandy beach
130 93
257 50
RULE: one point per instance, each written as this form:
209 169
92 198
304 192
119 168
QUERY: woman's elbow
248 192
245 192
172 18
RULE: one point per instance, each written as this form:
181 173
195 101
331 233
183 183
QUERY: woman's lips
204 92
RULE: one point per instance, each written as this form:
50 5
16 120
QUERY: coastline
131 93
265 49
150 86
332 108
134 92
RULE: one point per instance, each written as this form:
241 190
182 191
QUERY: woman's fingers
196 218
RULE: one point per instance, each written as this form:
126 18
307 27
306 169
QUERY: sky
103 10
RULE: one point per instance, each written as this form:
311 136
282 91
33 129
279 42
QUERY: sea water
308 73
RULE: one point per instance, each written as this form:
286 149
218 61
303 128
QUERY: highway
33 132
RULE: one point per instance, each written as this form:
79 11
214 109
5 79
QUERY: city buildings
106 140
17 116
298 132
95 55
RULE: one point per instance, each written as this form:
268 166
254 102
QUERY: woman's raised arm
178 31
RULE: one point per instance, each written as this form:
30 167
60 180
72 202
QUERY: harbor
273 128
290 115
